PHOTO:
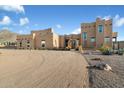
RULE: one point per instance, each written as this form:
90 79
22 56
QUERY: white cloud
5 21
24 21
13 8
107 17
118 21
77 31
58 26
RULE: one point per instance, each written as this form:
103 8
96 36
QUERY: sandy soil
104 79
36 68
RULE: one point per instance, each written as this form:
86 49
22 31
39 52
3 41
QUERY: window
28 45
107 39
84 35
28 41
20 44
100 28
93 39
43 43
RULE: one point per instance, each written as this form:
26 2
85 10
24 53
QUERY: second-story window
100 28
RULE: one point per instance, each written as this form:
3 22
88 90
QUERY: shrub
120 52
106 50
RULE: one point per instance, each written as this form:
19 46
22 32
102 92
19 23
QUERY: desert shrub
106 50
120 51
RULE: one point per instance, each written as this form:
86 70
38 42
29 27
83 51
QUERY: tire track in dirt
45 69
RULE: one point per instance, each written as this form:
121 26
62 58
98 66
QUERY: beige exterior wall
107 32
66 40
100 37
24 42
36 38
43 35
90 29
61 41
55 40
50 40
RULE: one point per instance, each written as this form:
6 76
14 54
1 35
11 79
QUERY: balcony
114 34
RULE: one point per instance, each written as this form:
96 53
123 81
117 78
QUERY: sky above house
63 19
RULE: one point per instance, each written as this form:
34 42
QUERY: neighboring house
92 35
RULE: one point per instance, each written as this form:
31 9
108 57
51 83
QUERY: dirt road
42 68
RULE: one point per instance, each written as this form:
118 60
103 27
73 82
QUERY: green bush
106 50
120 51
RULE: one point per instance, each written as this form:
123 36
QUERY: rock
97 59
101 66
107 67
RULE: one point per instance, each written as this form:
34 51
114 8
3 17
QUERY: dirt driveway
42 68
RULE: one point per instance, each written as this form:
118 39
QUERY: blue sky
63 19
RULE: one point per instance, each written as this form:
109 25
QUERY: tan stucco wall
90 28
92 31
45 35
52 40
61 41
55 40
23 39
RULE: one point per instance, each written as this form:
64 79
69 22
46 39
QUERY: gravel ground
42 69
106 79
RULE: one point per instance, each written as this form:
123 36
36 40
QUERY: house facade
97 34
92 35
70 41
38 39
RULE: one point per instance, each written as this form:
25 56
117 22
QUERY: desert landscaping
58 69
42 69
105 79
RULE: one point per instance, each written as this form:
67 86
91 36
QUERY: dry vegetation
103 79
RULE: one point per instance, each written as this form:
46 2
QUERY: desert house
92 35
97 34
40 39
